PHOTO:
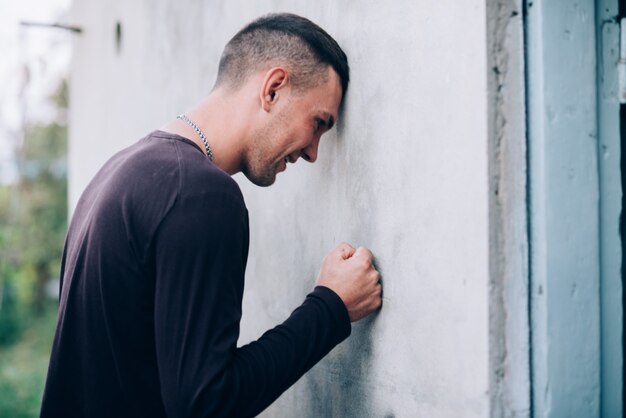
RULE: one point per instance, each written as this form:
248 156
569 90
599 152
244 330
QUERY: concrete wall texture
406 173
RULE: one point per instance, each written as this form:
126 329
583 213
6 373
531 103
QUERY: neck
216 117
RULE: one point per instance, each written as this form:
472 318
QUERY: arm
201 250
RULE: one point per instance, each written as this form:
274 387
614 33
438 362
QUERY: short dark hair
286 39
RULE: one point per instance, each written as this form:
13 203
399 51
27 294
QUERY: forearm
253 376
264 369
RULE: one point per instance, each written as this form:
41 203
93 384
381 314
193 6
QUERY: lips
282 166
286 160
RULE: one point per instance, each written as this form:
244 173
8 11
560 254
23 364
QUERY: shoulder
201 178
161 157
151 176
209 203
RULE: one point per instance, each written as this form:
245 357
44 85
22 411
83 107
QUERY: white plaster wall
405 174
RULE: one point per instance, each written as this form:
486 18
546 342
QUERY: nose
310 152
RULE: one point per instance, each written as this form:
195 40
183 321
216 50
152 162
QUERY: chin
261 179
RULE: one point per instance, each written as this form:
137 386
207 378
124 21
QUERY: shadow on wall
341 387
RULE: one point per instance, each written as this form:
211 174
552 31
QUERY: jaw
261 175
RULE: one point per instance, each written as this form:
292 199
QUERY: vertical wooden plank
610 208
564 233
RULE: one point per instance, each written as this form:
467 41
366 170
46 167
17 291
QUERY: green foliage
33 213
23 366
10 320
33 223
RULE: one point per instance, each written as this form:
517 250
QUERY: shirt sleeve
200 252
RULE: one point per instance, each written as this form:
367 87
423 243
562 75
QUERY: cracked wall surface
508 313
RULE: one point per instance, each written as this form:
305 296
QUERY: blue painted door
575 203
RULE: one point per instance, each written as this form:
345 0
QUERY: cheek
292 136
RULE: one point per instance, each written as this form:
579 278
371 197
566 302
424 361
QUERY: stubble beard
259 167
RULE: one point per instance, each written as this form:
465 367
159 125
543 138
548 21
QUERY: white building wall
405 174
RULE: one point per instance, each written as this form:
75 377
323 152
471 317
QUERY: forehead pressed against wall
405 173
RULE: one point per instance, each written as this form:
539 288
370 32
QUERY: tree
33 212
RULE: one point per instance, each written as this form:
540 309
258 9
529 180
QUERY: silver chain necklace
191 123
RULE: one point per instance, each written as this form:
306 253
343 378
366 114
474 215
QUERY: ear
275 84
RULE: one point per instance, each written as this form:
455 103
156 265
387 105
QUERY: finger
345 250
363 252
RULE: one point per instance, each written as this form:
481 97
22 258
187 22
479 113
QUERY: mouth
287 160
282 167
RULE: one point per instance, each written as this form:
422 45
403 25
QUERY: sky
33 60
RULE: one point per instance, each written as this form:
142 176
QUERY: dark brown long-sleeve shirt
152 283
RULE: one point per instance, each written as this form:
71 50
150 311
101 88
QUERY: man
154 261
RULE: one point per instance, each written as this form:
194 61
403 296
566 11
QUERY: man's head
299 75
282 39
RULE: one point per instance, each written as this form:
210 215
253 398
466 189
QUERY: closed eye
319 124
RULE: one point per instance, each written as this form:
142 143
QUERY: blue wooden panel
564 208
608 29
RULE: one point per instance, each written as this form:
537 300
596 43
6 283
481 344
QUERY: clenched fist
351 275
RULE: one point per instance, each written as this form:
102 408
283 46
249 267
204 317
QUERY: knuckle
345 245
